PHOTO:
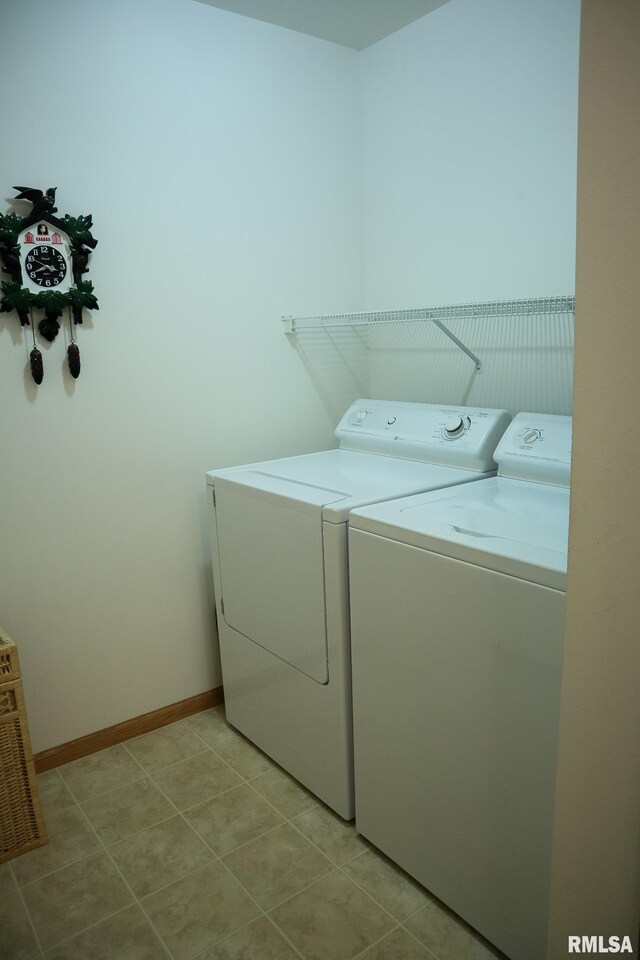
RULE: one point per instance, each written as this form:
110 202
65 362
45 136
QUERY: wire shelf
437 315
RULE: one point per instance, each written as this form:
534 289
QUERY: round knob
454 427
530 436
391 420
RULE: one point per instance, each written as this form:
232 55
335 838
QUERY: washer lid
511 526
340 480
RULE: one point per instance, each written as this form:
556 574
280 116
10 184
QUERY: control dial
455 427
530 436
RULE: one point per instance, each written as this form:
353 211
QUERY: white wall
220 158
469 137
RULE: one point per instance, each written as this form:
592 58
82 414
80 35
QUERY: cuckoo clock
46 257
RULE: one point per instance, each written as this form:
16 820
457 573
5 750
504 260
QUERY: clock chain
35 357
73 352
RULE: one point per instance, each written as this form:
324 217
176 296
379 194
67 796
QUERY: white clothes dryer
457 615
279 546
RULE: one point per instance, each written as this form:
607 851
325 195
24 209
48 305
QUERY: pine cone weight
37 369
73 356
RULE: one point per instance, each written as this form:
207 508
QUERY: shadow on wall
527 363
338 362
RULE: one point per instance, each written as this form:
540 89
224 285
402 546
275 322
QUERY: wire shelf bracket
438 316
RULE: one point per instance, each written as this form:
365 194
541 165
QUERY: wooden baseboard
101 739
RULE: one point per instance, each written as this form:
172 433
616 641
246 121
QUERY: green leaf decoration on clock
9 247
78 229
9 227
82 298
18 298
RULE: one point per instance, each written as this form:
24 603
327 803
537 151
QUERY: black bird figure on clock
45 257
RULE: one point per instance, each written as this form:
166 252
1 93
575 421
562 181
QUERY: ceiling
352 23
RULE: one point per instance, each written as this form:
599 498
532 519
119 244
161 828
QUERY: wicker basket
21 822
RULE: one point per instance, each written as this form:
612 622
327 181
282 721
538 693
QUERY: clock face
45 266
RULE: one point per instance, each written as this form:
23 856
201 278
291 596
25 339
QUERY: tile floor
189 844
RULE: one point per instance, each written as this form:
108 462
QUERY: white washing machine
279 544
457 613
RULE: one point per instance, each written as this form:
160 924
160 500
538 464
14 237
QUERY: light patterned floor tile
398 945
164 746
233 818
54 793
100 772
70 838
448 937
127 810
127 935
387 884
284 793
244 757
212 727
277 865
68 901
199 910
159 855
258 941
192 781
7 883
332 919
336 838
17 940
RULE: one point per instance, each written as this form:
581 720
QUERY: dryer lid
337 481
264 483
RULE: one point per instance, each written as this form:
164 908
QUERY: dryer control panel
536 447
464 437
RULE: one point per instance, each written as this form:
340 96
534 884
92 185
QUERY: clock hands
52 268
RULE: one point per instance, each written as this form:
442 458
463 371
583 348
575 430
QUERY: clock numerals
46 266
